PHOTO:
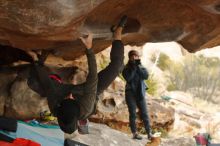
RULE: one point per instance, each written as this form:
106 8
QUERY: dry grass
213 125
205 106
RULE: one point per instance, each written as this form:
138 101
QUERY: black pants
132 104
108 74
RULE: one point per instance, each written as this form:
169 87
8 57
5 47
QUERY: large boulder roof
57 24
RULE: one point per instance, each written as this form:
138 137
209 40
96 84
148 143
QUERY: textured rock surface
102 135
181 141
6 80
24 103
58 23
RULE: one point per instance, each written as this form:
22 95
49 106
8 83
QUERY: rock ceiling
56 24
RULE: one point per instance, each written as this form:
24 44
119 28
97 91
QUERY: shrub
152 85
164 62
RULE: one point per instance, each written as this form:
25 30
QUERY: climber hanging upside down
72 103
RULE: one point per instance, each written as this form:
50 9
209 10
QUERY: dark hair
132 52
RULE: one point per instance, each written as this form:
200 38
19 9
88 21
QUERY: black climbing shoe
121 23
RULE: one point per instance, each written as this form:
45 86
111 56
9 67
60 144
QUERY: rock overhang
56 25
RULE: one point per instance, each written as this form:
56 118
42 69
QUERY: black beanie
68 114
133 52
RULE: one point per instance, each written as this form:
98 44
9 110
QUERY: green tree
196 74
